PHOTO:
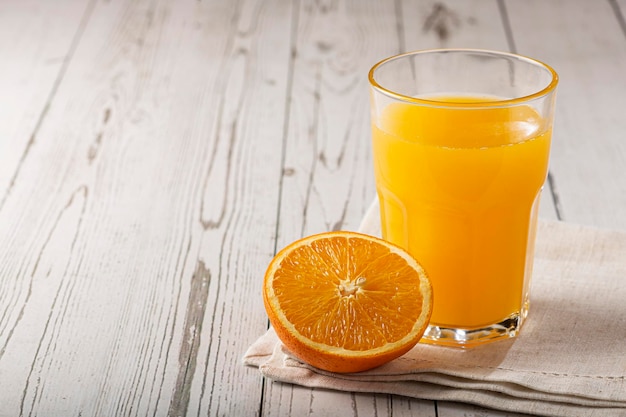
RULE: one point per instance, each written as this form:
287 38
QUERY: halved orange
347 302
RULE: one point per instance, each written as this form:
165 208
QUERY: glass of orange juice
461 140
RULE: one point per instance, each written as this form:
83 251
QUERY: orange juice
459 189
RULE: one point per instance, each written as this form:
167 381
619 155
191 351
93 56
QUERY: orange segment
347 302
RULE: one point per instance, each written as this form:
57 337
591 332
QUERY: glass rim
442 103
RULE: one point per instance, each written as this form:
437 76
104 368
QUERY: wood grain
328 181
144 215
449 24
37 40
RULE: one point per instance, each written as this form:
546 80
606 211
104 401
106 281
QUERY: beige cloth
569 359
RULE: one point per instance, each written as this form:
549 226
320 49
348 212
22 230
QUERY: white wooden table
155 154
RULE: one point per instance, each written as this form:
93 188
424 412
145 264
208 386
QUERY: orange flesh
354 299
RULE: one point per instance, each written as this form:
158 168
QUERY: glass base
467 338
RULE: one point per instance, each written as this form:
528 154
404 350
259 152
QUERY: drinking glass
461 140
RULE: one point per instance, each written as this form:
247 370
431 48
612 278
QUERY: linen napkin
569 359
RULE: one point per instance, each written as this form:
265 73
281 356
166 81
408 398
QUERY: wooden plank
328 181
451 24
294 400
144 215
239 232
36 42
589 152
